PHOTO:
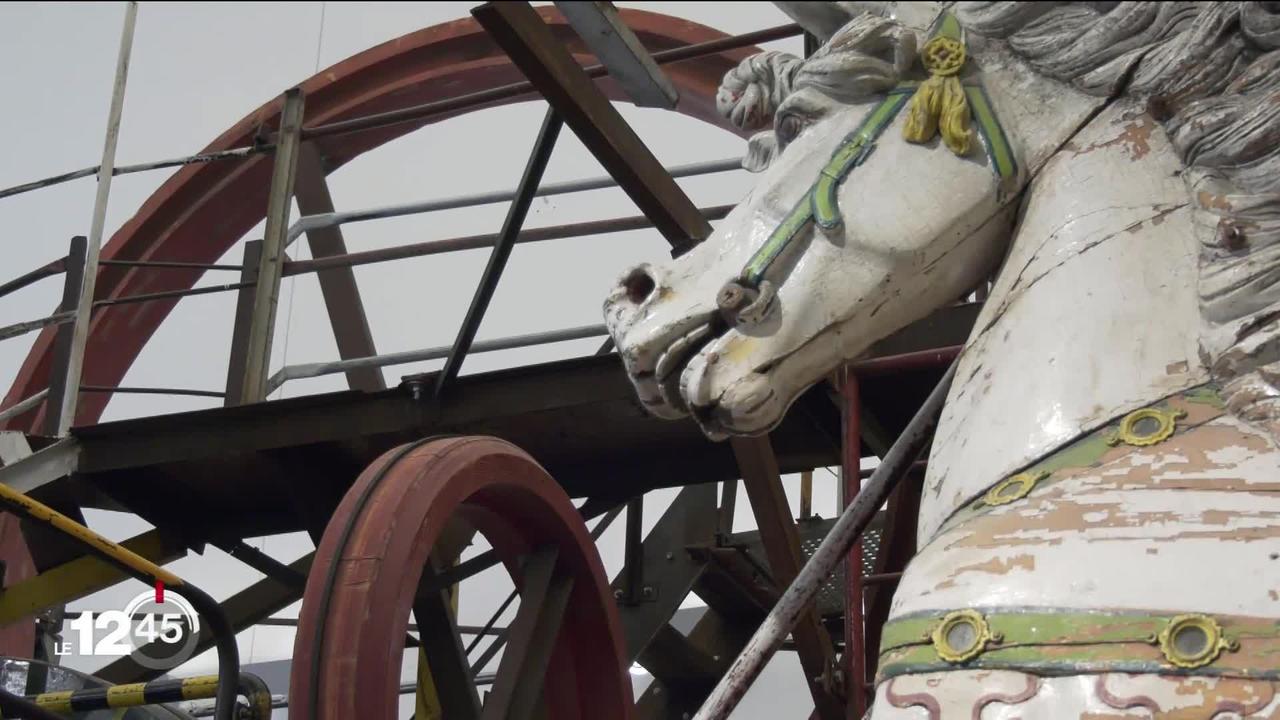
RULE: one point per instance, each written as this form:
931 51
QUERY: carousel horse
1100 526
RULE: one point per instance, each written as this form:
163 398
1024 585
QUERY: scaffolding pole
84 309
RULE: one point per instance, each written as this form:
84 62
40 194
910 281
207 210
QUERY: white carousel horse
1100 528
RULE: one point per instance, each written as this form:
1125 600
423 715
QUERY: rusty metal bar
74 365
311 222
442 651
337 285
266 297
850 462
518 29
806 494
474 242
633 552
415 112
167 295
26 326
296 372
516 214
881 578
152 391
760 475
462 102
166 264
544 595
140 167
64 340
922 359
40 273
239 355
22 406
501 638
799 595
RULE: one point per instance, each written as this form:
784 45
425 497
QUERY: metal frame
687 550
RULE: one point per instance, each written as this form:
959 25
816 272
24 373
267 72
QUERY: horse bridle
748 298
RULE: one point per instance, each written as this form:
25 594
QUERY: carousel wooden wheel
379 561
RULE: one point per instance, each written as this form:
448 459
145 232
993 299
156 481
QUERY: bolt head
731 297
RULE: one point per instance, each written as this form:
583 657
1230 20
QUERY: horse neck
1094 312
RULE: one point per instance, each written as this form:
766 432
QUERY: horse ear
823 19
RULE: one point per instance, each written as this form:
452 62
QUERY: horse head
852 231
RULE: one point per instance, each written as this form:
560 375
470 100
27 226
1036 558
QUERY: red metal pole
851 460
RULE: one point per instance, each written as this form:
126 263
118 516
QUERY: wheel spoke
531 639
442 649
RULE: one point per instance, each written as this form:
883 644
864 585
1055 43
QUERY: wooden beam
518 30
759 468
338 284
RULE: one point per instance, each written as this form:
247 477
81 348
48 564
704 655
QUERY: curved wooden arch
200 212
362 586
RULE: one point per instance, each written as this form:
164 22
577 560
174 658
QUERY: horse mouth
675 360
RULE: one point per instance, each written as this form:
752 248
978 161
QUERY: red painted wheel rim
355 612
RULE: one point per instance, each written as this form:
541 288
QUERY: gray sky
197 69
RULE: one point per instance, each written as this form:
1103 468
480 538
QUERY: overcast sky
196 70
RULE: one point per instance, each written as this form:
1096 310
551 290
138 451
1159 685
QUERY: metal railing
250 351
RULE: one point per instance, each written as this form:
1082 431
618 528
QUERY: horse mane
1210 74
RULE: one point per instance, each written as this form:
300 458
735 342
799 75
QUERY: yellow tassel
922 117
953 120
940 103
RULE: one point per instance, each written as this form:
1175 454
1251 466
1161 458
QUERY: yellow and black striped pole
143 569
155 692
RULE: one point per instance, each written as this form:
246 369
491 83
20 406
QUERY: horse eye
789 128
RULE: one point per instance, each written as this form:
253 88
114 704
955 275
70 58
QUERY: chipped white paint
1143 262
897 257
1093 314
1008 695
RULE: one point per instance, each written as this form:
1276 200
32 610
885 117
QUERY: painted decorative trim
980 636
939 104
1071 642
1014 487
1197 405
1215 641
1166 423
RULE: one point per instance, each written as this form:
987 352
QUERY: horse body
1100 523
1094 315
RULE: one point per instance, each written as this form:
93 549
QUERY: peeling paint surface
1094 313
1007 695
1190 524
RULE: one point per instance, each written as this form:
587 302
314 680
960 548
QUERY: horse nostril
638 285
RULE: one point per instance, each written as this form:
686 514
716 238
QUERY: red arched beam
200 212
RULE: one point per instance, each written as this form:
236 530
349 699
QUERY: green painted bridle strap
820 205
